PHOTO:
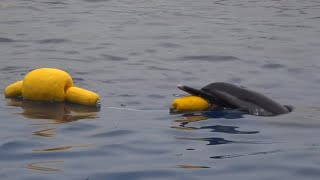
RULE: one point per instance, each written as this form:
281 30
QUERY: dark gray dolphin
234 97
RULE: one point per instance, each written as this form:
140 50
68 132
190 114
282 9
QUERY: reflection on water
62 148
241 155
186 119
59 112
211 140
53 113
224 114
134 53
40 166
45 132
227 129
216 114
191 167
189 118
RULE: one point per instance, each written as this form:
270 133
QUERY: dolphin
226 95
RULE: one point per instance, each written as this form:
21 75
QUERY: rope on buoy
140 110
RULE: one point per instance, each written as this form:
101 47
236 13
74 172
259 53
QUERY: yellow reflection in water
40 166
58 112
61 148
188 118
192 118
44 132
184 128
47 113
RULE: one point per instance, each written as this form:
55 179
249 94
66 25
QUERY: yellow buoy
46 84
14 90
50 84
189 103
82 96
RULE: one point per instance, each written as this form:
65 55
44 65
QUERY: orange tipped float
49 84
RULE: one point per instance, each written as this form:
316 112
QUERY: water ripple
52 41
114 58
42 166
273 66
6 40
135 175
227 129
94 1
210 58
191 167
170 45
241 155
14 145
211 140
139 50
113 133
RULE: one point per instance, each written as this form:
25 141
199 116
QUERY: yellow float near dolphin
189 103
50 84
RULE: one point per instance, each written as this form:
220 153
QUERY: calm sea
134 53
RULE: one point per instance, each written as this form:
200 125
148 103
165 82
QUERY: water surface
134 54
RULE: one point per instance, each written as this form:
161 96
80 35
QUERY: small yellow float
50 84
189 103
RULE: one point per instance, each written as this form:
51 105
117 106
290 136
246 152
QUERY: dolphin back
235 97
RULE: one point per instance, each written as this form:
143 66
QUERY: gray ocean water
133 54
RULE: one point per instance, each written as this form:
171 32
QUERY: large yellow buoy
46 84
50 84
189 103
